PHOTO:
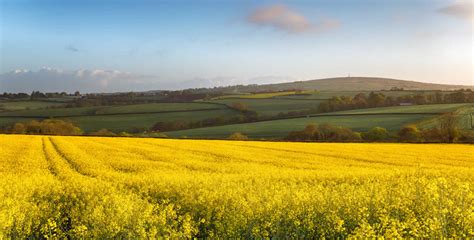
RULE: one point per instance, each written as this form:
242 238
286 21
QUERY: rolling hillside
344 84
391 118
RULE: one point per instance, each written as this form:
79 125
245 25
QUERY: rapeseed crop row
83 187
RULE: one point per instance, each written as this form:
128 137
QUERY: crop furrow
144 153
71 164
51 166
326 155
203 153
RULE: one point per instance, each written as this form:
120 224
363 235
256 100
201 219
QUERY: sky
118 45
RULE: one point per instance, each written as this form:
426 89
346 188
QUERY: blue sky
226 42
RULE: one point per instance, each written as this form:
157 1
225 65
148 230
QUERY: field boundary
240 140
113 114
281 98
329 115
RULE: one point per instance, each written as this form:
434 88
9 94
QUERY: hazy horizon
141 45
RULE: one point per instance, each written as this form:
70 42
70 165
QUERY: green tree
376 134
48 127
58 127
103 132
328 132
18 128
376 99
409 134
310 132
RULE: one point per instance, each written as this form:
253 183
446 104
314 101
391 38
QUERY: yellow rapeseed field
92 187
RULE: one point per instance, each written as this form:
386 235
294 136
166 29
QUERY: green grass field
143 116
281 128
258 95
329 94
125 109
465 120
158 107
126 122
314 94
271 107
432 108
122 118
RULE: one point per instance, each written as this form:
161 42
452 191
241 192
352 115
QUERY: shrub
18 128
467 136
409 134
169 126
324 132
328 132
376 134
48 127
242 107
432 134
103 132
124 134
238 136
310 132
447 131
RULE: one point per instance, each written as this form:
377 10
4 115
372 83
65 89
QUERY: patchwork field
85 187
277 129
257 95
329 94
391 118
122 118
115 110
158 107
315 94
126 122
272 106
430 108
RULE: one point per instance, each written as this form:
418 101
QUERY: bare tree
449 127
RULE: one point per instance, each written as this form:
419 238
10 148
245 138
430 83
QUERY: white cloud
283 18
461 9
57 80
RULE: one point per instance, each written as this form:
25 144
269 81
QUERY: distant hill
344 84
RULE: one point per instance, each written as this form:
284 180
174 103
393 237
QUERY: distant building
406 104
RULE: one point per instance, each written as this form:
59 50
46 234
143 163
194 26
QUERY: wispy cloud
283 18
461 9
72 48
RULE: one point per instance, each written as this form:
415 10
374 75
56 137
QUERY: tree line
35 95
446 131
336 103
54 127
45 127
245 115
377 99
